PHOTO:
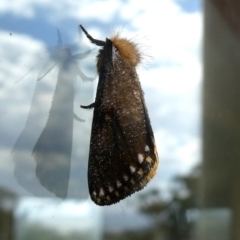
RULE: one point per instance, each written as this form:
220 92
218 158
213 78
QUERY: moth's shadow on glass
52 149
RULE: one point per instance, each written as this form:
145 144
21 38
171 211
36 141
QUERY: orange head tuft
127 49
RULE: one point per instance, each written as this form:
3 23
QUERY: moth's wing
123 156
47 67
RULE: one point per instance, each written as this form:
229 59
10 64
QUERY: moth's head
127 50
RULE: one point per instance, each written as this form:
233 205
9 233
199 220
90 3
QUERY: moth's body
123 156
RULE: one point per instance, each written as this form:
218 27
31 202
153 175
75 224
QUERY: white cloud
25 8
63 10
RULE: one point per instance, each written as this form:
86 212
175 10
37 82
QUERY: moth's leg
92 105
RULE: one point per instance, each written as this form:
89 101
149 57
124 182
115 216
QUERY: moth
122 156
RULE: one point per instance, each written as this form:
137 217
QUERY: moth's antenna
95 41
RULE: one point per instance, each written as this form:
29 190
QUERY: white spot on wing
125 177
119 184
133 169
94 193
101 193
147 148
110 189
140 157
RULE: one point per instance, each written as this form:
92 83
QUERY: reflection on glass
220 214
174 217
38 219
7 204
53 148
171 83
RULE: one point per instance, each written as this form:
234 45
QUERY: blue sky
189 5
170 36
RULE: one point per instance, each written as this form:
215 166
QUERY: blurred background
190 78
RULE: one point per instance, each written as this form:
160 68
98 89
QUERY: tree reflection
172 218
7 203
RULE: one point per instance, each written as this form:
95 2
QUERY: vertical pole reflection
221 123
53 148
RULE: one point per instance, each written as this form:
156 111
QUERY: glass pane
47 70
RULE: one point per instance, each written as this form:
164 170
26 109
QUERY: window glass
48 69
